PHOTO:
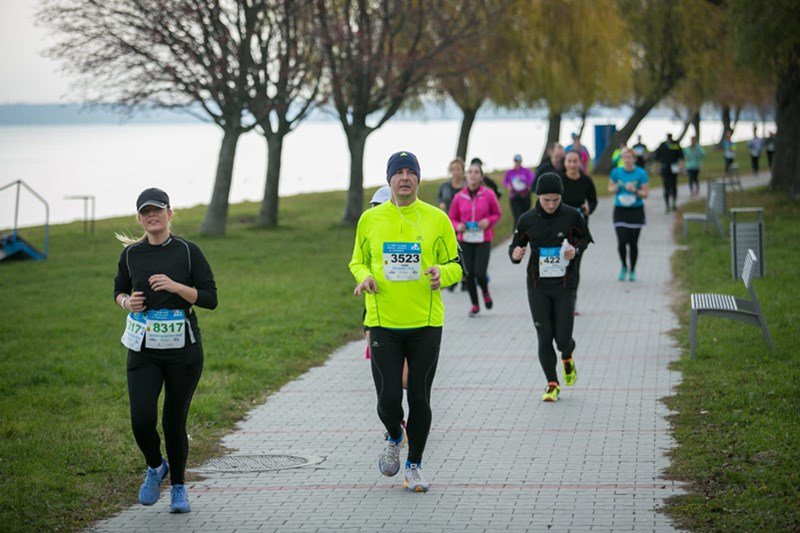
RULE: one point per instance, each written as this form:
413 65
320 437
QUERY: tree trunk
268 214
466 128
786 165
693 120
553 130
686 124
726 122
584 113
217 212
696 124
604 161
356 142
736 114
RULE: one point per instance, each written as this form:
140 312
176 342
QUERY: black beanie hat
400 160
549 183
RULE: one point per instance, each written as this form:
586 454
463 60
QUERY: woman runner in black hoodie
552 275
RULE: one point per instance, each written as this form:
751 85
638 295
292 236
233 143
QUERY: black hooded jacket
542 230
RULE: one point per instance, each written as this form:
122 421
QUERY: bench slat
722 302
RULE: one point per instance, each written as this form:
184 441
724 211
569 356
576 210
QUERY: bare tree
188 54
469 91
379 53
287 75
469 72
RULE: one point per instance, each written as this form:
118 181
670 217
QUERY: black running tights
694 183
389 347
628 239
476 263
670 187
519 205
178 372
551 310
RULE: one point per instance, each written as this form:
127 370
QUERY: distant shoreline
78 114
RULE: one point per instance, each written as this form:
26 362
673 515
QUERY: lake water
115 162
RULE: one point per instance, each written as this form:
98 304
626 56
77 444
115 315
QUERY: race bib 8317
165 329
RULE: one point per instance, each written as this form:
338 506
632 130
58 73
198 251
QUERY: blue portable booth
603 133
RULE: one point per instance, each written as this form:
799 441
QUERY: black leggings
551 310
728 163
519 204
178 371
476 263
389 347
754 162
694 183
628 239
670 187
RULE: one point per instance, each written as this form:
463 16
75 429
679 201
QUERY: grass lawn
736 422
66 449
67 455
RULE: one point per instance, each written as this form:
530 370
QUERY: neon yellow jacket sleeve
405 304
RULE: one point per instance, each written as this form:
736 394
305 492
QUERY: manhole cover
256 463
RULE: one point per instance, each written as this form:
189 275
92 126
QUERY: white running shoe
389 460
414 481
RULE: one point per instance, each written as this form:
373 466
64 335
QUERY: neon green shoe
622 273
570 372
551 392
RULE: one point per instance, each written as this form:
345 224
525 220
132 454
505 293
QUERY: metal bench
727 306
732 176
715 207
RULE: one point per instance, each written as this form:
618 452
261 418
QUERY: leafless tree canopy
286 66
167 53
379 52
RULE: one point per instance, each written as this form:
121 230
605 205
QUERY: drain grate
256 463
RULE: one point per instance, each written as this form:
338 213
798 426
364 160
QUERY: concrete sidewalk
497 458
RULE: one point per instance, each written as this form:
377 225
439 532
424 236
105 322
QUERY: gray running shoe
414 482
389 460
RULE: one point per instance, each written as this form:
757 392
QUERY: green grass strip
67 454
736 422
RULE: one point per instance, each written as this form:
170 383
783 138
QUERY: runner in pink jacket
474 212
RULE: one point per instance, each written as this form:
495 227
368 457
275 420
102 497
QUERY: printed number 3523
405 258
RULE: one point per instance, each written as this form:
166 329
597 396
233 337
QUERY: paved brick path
497 457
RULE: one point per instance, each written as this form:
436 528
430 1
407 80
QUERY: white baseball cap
381 195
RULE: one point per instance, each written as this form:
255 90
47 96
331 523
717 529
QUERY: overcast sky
26 76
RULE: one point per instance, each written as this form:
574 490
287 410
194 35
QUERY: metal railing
88 223
19 184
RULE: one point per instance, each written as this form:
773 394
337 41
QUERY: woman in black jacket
159 278
580 193
557 235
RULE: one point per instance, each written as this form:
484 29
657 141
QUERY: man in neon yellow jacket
405 251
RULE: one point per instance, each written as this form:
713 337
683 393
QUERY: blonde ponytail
127 240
